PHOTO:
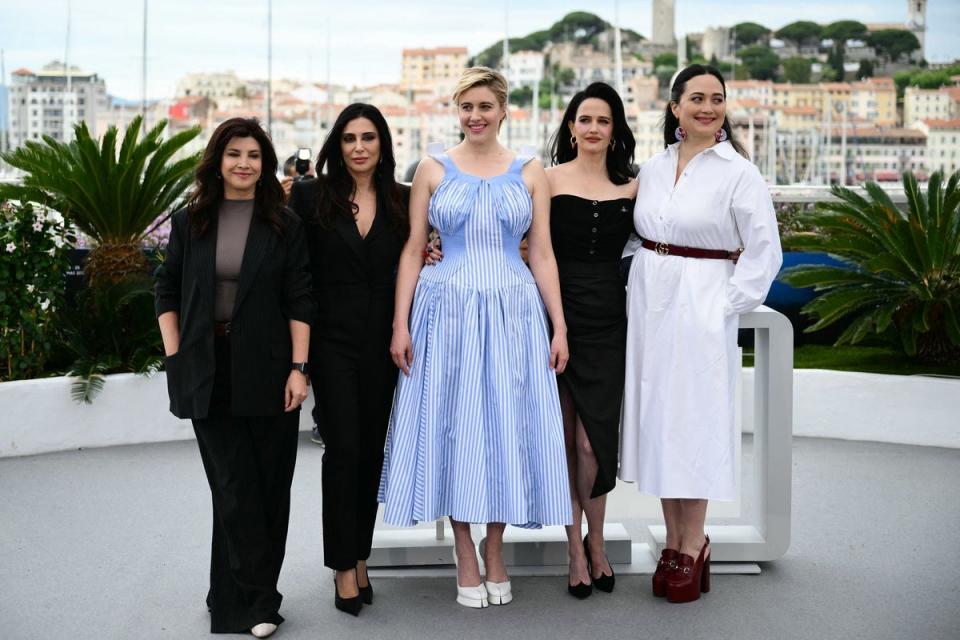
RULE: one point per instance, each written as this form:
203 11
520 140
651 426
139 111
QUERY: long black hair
207 195
620 155
671 122
339 187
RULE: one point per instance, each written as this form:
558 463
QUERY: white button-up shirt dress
677 436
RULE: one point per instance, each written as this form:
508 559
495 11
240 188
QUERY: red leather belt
221 328
664 249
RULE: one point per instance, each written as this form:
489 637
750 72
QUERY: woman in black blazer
356 223
234 306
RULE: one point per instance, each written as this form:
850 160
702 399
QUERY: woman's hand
296 390
432 254
286 183
401 350
559 352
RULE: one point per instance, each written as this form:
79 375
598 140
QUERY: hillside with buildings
813 103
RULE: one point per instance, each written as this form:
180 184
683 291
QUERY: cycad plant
904 267
111 196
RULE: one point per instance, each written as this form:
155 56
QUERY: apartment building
50 101
930 104
526 69
943 144
436 70
874 100
216 86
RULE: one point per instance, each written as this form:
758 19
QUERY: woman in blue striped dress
476 432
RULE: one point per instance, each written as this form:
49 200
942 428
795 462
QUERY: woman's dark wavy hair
620 156
205 200
337 184
671 122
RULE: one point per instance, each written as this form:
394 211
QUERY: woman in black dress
356 224
591 218
234 306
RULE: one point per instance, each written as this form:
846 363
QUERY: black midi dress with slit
588 240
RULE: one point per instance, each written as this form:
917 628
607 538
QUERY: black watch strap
299 366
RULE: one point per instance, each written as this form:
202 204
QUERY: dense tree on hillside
835 63
892 44
844 30
521 96
797 70
667 59
865 70
800 33
664 75
934 79
580 26
747 33
761 62
839 32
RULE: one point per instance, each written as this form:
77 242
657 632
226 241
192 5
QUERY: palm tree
904 267
112 197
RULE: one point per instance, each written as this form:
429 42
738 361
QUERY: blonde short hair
482 77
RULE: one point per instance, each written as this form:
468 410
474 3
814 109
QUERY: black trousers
249 463
355 395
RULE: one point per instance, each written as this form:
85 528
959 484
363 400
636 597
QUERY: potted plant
115 197
902 271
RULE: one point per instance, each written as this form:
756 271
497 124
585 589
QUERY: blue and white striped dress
476 431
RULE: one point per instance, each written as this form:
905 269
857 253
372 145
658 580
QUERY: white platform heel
499 592
472 597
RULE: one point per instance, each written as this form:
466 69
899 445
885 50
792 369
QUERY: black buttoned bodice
585 230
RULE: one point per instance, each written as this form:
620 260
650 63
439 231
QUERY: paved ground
113 543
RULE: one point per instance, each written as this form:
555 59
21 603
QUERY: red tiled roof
943 124
801 111
435 52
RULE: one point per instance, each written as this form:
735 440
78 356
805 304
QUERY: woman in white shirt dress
710 250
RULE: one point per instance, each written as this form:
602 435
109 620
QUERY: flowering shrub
33 264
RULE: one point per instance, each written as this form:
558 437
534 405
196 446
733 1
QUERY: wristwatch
299 366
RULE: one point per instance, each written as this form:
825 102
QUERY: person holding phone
234 307
355 216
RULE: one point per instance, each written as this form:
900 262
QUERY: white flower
58 241
38 226
11 247
30 288
44 304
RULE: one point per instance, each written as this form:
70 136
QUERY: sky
365 37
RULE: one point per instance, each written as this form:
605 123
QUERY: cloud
366 38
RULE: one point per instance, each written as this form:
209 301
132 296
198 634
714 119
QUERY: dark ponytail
670 121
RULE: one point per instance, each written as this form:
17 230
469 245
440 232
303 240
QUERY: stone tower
917 22
663 23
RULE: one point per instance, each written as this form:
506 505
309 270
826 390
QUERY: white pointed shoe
499 592
473 597
263 630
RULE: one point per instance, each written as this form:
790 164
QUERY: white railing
762 534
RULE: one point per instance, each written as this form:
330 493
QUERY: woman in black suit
234 306
356 225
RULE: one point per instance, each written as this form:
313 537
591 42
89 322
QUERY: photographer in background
297 167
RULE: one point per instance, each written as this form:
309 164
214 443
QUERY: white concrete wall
38 416
916 410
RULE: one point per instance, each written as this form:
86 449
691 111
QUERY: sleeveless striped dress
476 431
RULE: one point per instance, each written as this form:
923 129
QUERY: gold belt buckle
662 249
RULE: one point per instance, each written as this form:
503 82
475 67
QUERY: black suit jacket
274 288
353 278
